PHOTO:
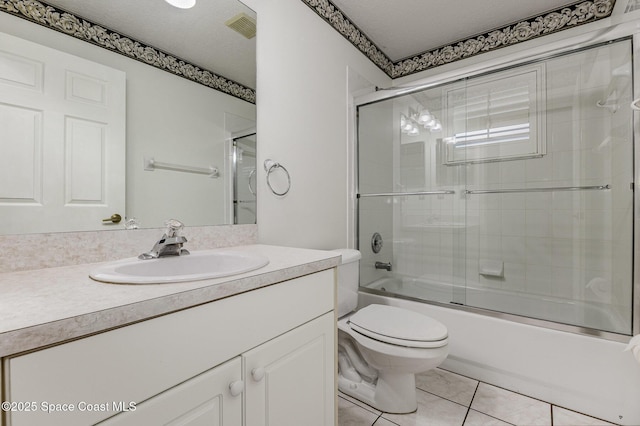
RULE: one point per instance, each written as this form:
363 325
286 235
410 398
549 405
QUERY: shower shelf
550 189
403 194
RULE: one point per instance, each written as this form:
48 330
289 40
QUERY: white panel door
62 139
214 398
290 380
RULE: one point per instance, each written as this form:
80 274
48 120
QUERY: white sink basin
199 265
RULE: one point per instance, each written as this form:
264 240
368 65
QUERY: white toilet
381 348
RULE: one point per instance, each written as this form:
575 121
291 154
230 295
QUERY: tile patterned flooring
449 399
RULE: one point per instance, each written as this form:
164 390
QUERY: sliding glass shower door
244 179
509 191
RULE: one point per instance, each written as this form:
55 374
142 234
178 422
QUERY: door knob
257 374
115 218
236 388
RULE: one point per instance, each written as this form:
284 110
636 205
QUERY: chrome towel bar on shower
550 189
402 194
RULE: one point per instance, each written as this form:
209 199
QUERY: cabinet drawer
136 362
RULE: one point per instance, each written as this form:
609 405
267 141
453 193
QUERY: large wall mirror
180 85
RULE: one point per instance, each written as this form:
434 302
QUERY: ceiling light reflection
182 4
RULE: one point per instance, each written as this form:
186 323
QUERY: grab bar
402 194
551 189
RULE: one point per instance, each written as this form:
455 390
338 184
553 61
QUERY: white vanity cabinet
289 380
213 398
265 356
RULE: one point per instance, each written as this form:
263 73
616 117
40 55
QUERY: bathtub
580 372
592 315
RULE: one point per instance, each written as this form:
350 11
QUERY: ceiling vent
243 24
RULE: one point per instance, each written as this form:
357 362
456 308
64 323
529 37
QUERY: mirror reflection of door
62 138
244 179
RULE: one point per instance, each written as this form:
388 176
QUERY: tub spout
383 265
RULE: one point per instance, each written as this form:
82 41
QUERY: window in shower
496 117
508 191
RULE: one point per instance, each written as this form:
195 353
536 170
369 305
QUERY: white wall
168 117
303 110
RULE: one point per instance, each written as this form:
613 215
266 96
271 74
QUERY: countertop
49 306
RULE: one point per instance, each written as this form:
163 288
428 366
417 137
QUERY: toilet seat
399 327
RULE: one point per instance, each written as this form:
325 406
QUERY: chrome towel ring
270 166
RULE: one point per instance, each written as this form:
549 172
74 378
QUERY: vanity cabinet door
213 398
290 380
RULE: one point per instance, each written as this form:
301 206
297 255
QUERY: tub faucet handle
383 265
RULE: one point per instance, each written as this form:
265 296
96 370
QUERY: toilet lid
396 325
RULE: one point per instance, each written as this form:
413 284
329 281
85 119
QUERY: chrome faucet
383 265
170 244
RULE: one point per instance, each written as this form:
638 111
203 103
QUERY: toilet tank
348 280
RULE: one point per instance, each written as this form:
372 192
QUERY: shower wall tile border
38 251
571 16
67 23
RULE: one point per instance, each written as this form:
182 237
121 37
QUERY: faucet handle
173 227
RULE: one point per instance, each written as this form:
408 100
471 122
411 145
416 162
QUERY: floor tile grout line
470 402
377 418
551 405
479 382
478 411
381 416
362 405
509 390
493 417
536 399
445 398
586 415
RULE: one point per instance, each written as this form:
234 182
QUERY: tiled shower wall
376 213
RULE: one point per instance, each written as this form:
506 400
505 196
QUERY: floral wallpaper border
67 23
564 18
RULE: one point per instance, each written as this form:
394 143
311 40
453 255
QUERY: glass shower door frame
635 324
